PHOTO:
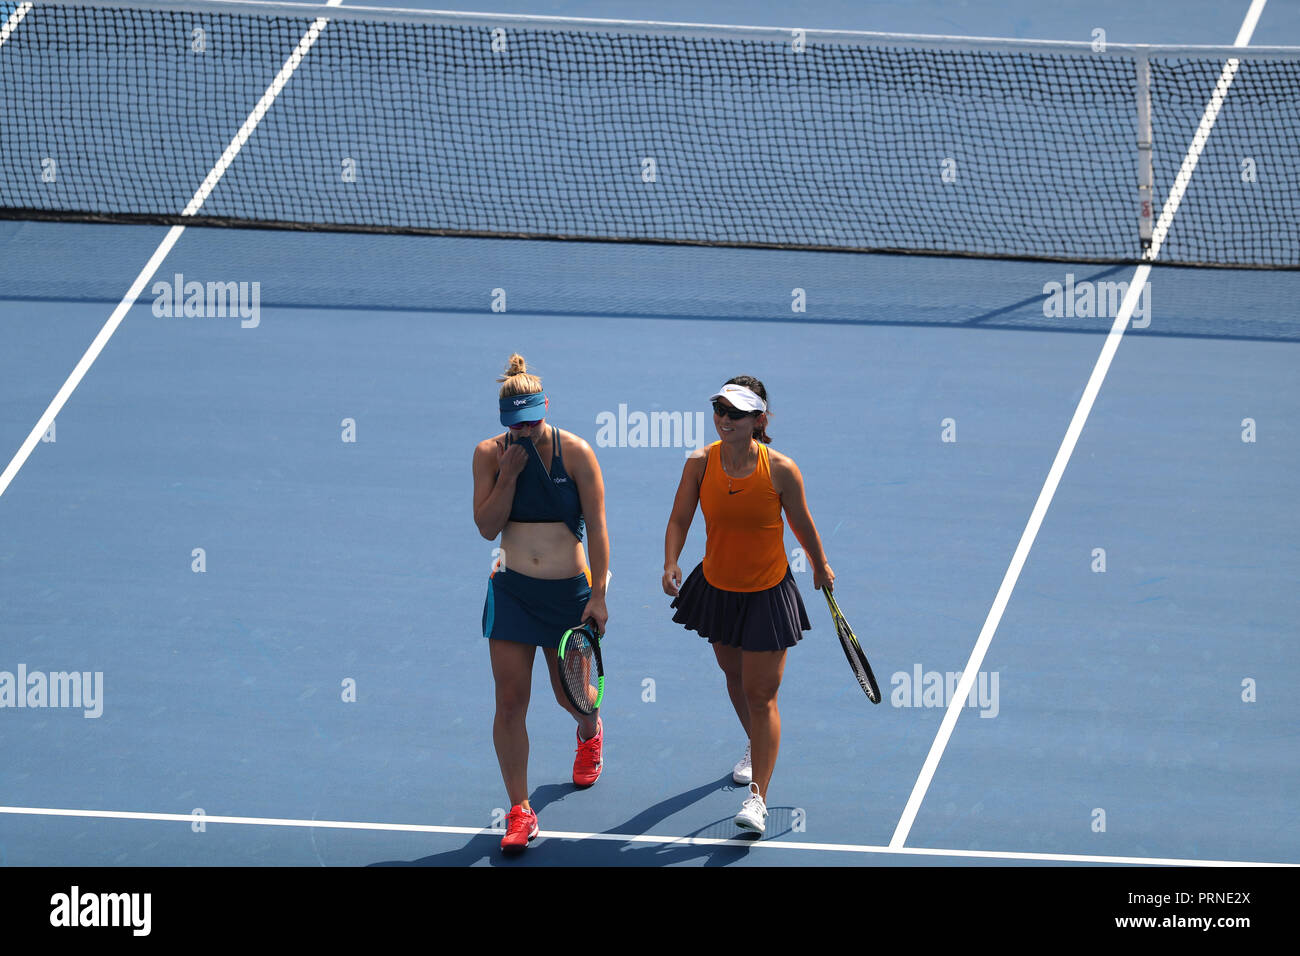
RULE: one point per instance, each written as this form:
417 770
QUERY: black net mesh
119 114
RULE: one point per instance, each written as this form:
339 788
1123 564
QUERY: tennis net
468 124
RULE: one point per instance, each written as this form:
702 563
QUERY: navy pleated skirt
770 620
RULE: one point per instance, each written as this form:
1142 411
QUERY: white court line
971 671
155 261
635 838
1202 135
15 18
1248 25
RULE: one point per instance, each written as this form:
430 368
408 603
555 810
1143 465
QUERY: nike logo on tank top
745 546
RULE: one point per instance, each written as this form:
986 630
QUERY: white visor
741 397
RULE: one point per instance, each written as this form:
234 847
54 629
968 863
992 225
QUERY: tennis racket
581 673
853 650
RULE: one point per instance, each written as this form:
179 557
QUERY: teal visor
523 408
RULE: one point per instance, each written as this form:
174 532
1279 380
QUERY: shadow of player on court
555 851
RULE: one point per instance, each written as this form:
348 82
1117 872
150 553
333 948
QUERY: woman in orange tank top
742 596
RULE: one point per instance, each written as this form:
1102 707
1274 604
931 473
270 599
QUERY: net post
1145 207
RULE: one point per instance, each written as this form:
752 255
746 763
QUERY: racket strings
857 657
576 668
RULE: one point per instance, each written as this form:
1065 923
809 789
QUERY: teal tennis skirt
533 610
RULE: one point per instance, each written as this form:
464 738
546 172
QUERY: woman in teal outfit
540 488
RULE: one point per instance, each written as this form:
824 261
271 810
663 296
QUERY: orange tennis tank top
745 546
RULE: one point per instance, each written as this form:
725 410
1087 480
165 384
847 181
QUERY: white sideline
15 18
971 671
155 261
1202 135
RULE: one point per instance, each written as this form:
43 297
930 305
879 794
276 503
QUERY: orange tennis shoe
521 827
589 762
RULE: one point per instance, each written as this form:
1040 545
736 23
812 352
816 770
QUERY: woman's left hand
596 612
824 577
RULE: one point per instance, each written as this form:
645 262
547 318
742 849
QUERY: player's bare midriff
543 549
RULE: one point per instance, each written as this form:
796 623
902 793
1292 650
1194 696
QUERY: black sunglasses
735 414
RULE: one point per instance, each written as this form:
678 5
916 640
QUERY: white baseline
634 838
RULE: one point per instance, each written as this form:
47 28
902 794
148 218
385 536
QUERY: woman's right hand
672 581
511 461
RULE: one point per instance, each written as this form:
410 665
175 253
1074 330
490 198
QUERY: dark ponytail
755 386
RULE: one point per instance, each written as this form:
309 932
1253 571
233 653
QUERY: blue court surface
253 536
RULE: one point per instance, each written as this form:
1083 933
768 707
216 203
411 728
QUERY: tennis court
251 534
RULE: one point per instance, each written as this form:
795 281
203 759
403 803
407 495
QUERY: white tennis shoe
753 814
743 772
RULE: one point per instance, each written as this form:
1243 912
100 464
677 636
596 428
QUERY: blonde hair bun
516 380
516 366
